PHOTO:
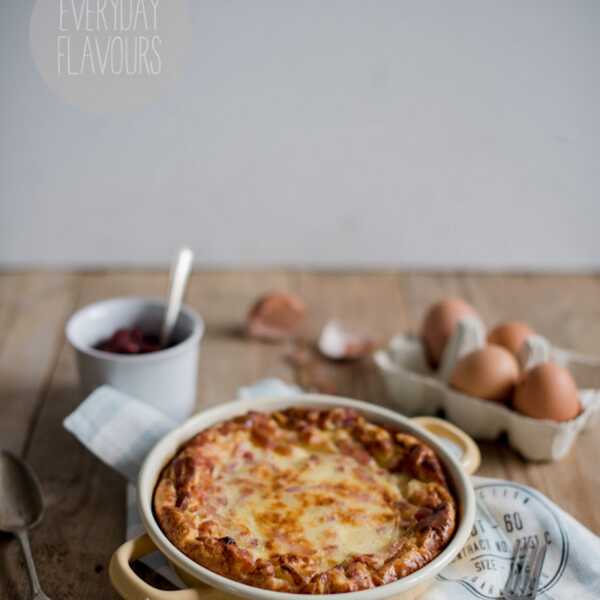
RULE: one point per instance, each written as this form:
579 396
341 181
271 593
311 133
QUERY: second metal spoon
179 275
21 508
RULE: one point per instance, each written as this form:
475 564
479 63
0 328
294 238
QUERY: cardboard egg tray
414 388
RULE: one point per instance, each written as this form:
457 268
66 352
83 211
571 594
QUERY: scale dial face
506 513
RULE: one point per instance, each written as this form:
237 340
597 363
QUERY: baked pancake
307 501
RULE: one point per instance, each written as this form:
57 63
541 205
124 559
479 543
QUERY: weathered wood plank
85 519
84 499
228 359
33 307
370 303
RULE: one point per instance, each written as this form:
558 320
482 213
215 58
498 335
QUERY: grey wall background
329 133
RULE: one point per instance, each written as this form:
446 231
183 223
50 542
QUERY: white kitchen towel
120 430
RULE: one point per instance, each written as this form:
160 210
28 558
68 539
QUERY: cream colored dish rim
131 587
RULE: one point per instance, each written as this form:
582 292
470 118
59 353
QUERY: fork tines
525 571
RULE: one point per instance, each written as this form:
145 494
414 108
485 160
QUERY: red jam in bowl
130 341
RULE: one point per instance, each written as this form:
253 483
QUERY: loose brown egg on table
510 335
275 316
439 324
548 391
489 373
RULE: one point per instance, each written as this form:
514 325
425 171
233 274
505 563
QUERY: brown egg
275 316
548 391
489 373
510 335
439 324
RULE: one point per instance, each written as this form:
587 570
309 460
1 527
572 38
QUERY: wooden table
85 518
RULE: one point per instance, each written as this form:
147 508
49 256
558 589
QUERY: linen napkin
120 430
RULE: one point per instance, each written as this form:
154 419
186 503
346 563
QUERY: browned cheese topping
307 501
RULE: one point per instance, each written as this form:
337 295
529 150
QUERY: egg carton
416 389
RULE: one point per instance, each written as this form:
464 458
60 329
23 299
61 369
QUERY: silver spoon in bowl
180 273
21 508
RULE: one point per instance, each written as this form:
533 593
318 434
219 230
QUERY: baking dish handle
470 457
131 587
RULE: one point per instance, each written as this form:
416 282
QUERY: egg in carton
415 388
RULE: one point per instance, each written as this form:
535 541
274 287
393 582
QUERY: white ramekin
207 585
165 379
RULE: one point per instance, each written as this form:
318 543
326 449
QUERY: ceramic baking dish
207 585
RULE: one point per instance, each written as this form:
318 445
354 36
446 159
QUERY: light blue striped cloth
120 430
